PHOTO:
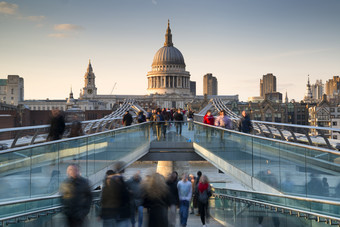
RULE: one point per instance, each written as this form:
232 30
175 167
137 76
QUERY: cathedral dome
168 55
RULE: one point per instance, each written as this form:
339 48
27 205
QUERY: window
12 98
12 91
332 109
335 137
335 123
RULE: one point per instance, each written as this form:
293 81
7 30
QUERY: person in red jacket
209 120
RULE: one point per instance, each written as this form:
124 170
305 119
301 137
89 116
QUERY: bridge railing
248 208
311 135
23 136
37 170
291 168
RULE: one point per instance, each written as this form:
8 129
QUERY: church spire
89 68
168 37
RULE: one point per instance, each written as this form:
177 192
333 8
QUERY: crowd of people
122 200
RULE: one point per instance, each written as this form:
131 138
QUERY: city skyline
49 43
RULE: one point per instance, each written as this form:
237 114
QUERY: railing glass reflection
39 169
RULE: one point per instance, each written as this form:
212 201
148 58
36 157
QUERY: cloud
58 35
8 8
36 18
67 27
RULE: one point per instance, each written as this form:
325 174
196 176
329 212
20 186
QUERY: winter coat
208 119
115 201
127 119
245 125
76 197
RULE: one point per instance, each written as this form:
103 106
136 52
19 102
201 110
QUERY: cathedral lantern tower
168 75
89 90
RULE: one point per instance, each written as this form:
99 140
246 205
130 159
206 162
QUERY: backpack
203 197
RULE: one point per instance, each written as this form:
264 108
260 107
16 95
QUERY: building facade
12 90
317 90
267 84
209 84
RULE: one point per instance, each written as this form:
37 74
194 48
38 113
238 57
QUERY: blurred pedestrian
57 127
192 180
178 117
127 119
76 128
115 200
141 117
197 180
134 186
184 193
76 197
209 120
204 193
190 117
173 199
156 198
223 120
245 124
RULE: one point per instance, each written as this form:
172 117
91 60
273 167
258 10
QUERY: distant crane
113 87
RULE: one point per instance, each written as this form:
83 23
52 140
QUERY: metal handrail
47 126
321 149
36 211
67 139
300 198
291 210
287 125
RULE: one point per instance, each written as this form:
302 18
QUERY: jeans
116 223
183 212
179 128
140 217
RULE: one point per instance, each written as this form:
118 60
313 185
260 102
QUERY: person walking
184 193
195 192
204 192
245 124
57 127
209 120
115 200
173 200
134 186
190 117
223 121
155 194
76 197
127 119
178 117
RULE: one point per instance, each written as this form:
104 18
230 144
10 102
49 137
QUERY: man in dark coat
115 201
245 123
76 197
178 117
127 119
57 127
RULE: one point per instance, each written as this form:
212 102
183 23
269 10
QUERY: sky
49 43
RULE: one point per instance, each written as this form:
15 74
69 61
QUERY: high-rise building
267 84
333 87
209 84
317 90
12 90
193 88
